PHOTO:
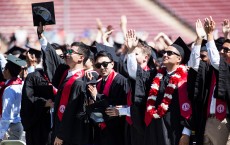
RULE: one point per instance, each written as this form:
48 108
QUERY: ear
112 63
81 58
146 58
179 59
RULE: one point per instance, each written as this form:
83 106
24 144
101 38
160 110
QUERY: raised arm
51 60
213 54
226 28
194 59
131 42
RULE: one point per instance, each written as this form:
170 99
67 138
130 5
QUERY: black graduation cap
34 51
183 49
203 45
43 12
16 61
15 50
98 107
110 50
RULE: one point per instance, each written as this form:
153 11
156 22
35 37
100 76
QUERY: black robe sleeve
32 104
51 61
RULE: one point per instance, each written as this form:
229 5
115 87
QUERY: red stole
108 83
13 81
221 107
66 91
185 104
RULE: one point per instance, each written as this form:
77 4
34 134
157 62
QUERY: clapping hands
200 29
209 25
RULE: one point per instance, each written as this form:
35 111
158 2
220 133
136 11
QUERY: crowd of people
109 93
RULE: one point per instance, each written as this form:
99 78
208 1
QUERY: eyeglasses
71 51
225 49
104 64
169 53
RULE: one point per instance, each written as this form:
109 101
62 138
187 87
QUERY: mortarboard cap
98 107
44 13
16 61
110 50
22 56
15 50
183 49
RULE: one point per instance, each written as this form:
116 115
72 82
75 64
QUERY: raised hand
31 59
131 40
40 30
123 24
106 36
209 25
99 24
200 29
226 28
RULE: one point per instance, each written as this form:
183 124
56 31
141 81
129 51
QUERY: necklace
159 112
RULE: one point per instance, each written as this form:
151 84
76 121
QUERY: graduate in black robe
114 88
70 125
168 110
37 100
37 96
140 80
224 73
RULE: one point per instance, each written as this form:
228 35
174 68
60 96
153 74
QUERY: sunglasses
104 64
169 53
225 49
71 51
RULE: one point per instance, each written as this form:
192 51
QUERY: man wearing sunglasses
70 123
216 80
168 122
114 88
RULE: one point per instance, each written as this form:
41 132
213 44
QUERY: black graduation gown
36 118
223 81
140 88
113 133
73 129
168 129
198 92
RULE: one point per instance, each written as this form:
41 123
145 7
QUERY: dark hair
63 48
82 49
103 54
13 69
227 41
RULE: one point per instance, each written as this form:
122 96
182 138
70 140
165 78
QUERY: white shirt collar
72 72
